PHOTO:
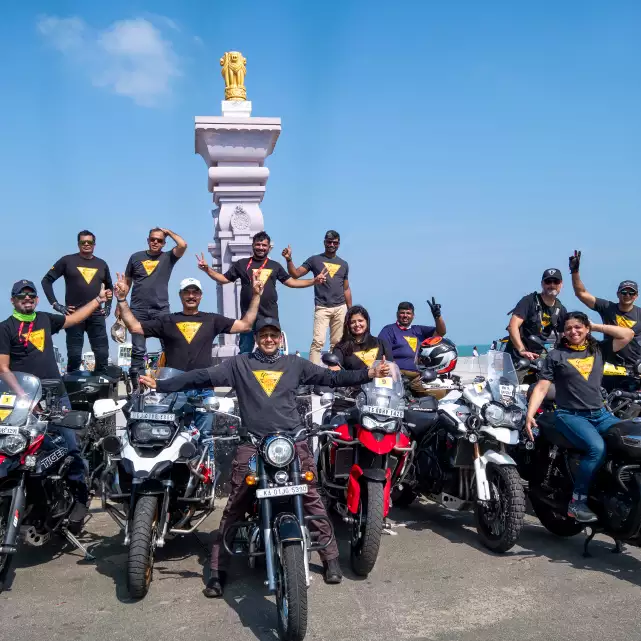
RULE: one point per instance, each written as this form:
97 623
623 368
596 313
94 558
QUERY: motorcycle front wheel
140 564
367 528
500 520
291 593
5 559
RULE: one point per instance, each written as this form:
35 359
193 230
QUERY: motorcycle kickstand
618 547
586 554
74 541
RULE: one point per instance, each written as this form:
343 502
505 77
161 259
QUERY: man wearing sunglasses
149 272
539 315
84 274
623 313
332 298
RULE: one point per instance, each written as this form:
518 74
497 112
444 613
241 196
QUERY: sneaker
215 585
580 511
333 574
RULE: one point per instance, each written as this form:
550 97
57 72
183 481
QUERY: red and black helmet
437 353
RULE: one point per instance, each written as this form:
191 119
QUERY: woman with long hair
358 349
575 367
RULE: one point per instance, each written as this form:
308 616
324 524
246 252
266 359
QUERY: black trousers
138 341
96 329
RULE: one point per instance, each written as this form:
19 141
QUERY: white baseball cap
190 282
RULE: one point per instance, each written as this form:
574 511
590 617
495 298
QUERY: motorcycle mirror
327 398
429 375
330 359
522 364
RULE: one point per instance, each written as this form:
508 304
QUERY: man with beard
266 384
269 272
539 314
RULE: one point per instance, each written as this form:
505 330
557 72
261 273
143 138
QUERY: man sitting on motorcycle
624 313
26 345
266 384
406 338
576 369
537 315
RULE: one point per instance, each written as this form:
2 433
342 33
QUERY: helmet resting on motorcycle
437 353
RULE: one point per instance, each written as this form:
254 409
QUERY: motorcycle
360 462
36 498
277 526
459 458
160 476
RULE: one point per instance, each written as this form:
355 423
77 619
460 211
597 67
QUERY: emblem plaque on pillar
234 147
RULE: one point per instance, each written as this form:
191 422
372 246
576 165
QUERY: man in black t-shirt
84 274
623 313
332 298
269 271
149 272
540 315
26 346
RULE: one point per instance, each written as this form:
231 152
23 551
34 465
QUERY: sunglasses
86 242
627 292
24 295
157 240
332 242
551 281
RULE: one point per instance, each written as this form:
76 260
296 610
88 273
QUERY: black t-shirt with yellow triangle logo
363 358
612 315
150 275
577 376
83 279
188 339
29 345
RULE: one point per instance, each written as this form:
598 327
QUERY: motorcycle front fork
14 519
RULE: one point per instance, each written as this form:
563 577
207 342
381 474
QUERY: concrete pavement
433 580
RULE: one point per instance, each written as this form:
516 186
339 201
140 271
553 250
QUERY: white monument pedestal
234 147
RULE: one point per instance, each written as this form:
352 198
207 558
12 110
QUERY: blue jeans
76 470
583 429
204 421
246 342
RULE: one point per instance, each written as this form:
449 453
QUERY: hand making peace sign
257 283
321 279
121 287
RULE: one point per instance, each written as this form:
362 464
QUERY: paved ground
432 581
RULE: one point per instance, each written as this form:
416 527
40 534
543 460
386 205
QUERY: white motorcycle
459 457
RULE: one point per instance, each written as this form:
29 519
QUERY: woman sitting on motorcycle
575 367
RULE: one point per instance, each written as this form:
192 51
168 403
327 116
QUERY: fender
384 446
287 529
376 474
498 458
502 434
354 489
387 492
490 456
171 453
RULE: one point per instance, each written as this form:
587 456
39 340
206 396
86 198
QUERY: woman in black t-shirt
576 369
358 349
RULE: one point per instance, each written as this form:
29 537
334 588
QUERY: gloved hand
61 309
435 307
575 261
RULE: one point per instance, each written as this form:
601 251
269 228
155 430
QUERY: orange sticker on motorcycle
583 365
87 273
367 356
263 274
37 339
622 321
188 330
150 265
4 414
412 342
267 380
331 268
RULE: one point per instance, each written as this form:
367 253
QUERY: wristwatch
121 300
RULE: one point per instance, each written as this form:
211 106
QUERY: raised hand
287 252
202 262
102 294
121 287
257 284
321 279
575 261
435 307
382 369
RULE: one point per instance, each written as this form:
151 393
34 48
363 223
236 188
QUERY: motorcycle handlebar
633 396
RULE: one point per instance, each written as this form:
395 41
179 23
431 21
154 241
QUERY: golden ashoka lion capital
234 68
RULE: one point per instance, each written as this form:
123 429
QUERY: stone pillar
235 147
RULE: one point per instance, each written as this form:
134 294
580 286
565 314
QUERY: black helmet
437 353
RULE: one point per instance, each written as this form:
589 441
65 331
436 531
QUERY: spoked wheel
367 528
5 559
500 520
140 564
291 593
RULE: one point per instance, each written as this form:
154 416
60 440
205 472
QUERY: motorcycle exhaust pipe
15 518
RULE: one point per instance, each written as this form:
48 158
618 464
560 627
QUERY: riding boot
215 585
80 509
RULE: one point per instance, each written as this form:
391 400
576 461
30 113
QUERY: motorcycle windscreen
502 380
158 402
15 406
386 392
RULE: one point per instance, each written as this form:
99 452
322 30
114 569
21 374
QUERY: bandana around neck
578 348
24 318
266 358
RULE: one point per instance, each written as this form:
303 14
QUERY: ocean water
463 350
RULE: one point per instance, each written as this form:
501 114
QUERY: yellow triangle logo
412 341
583 365
331 268
622 321
267 380
188 330
4 414
367 356
545 320
150 265
37 339
87 273
263 274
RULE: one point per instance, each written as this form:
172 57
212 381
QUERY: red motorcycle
362 459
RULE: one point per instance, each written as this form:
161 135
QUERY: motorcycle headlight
12 444
517 417
370 423
151 432
279 451
494 414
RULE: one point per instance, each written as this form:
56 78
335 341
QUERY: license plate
9 430
148 416
382 411
287 490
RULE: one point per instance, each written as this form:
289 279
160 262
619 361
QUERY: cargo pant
241 497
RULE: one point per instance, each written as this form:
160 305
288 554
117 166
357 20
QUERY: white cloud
130 58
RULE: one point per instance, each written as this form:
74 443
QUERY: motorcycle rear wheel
366 536
554 521
291 593
140 564
5 559
508 500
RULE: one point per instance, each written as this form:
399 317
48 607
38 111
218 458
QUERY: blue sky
459 148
